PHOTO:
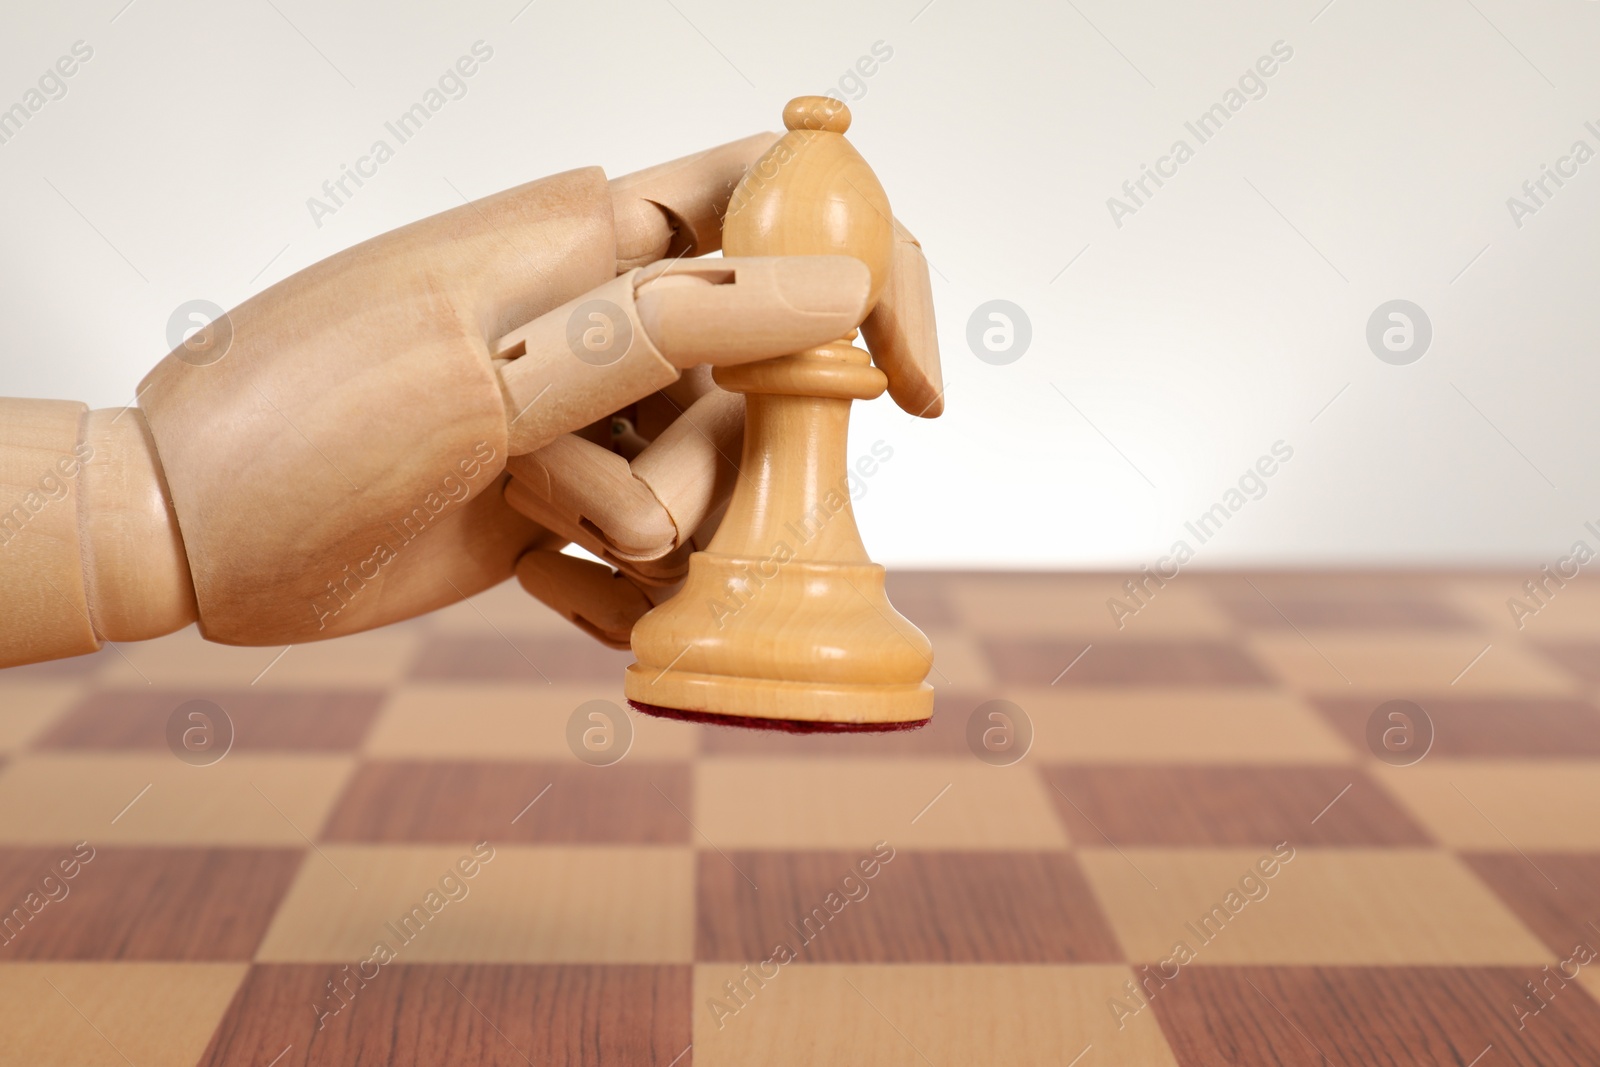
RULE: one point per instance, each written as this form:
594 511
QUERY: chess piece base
766 698
787 726
799 640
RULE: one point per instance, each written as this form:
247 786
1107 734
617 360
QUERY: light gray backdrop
1176 335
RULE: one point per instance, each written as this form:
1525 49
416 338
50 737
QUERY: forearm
89 545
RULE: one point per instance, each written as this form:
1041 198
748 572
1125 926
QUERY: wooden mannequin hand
337 464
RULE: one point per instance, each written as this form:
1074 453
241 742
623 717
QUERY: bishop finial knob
816 113
813 195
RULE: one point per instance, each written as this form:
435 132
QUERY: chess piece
783 619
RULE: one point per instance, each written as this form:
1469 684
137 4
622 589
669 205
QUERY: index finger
675 209
637 333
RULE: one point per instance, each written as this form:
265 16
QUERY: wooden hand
340 465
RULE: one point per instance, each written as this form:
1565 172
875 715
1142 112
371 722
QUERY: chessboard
1245 818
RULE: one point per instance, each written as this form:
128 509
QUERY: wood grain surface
631 911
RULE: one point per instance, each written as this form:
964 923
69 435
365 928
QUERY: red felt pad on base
791 726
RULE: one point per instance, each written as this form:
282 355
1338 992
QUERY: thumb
901 333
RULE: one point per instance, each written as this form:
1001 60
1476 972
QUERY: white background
1222 317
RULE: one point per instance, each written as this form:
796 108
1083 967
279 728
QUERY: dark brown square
263 720
921 907
1199 663
643 803
1222 1016
474 1015
1556 894
1323 601
921 596
1494 729
515 657
1227 806
70 669
144 903
1581 658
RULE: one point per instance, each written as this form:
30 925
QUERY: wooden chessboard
1202 775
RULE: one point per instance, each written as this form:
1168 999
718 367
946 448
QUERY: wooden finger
675 209
630 337
901 333
532 504
735 310
692 466
592 487
577 364
590 595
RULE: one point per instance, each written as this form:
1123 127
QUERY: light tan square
1569 612
378 658
959 665
1078 606
853 803
1177 725
911 1016
507 608
526 905
1589 978
112 1014
27 708
157 799
1470 804
1375 907
1406 662
513 721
